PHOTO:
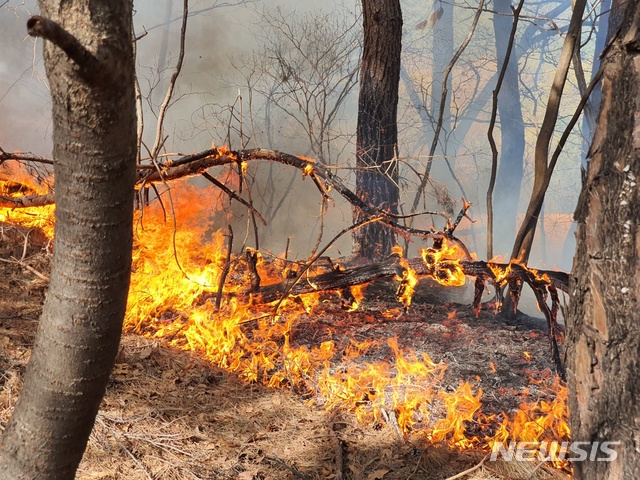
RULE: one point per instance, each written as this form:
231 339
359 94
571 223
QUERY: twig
392 421
336 443
296 473
537 467
323 207
24 265
26 201
306 268
225 270
172 83
233 195
469 470
443 99
126 450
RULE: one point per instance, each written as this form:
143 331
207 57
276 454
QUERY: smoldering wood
544 283
341 278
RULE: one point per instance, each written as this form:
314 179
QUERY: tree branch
26 201
436 135
47 29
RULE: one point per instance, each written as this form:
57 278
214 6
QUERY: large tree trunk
94 137
511 166
603 335
377 131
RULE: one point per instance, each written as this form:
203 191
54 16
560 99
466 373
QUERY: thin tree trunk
442 52
511 165
602 326
611 14
377 130
94 135
542 168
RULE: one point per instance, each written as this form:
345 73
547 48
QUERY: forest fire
19 183
177 264
170 298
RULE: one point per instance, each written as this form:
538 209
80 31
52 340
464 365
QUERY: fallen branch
469 470
25 201
349 277
544 283
323 177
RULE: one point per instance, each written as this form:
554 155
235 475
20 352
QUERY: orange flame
16 182
176 272
445 264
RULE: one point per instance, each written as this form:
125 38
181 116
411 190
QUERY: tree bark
377 130
603 336
89 63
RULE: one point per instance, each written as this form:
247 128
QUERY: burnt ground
169 414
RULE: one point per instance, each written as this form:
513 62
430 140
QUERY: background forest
284 75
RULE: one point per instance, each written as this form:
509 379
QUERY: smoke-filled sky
214 35
221 35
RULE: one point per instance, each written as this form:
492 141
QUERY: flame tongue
444 262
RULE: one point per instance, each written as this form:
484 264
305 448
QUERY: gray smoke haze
219 37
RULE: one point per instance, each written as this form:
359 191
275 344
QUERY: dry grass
169 414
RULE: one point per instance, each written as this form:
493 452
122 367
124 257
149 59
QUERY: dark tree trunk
94 136
603 335
511 165
377 131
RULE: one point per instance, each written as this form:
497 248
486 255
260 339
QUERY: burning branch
435 264
25 201
225 270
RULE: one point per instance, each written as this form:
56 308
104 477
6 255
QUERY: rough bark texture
94 138
603 334
511 166
377 131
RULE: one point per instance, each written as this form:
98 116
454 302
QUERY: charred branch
339 279
543 283
24 201
23 157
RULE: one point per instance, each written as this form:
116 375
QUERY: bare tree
89 62
305 72
602 325
544 166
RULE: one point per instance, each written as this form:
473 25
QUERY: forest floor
169 414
